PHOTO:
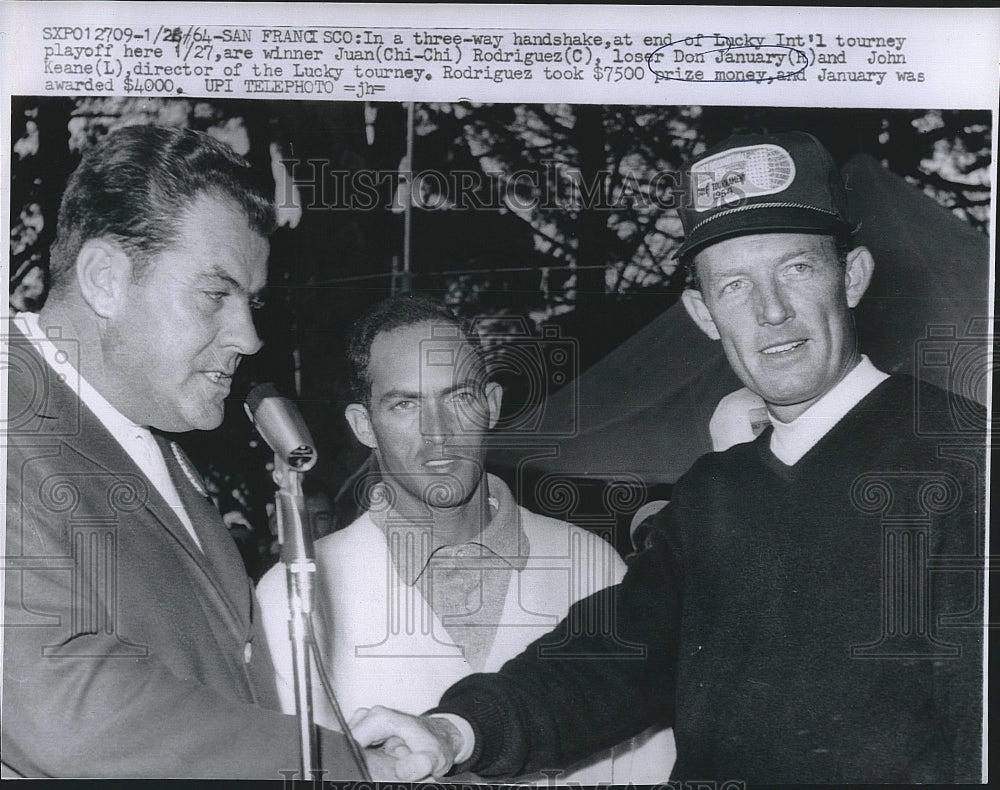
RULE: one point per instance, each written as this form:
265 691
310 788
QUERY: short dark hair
396 312
135 184
843 240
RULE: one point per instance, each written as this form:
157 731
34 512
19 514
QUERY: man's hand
422 747
382 767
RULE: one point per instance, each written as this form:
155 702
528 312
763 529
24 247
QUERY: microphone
281 425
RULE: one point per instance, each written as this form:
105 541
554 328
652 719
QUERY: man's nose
773 305
240 333
437 423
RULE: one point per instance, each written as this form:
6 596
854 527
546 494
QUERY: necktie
219 548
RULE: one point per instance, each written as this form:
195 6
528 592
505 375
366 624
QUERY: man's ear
103 272
858 274
361 423
698 310
494 397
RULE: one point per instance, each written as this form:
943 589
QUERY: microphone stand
296 541
281 426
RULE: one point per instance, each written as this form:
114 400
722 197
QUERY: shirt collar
412 544
792 440
117 423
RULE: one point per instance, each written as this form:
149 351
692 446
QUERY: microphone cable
324 680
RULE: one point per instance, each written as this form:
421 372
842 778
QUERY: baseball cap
760 183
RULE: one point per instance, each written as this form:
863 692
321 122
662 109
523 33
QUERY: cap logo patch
731 176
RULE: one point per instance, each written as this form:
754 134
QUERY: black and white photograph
515 442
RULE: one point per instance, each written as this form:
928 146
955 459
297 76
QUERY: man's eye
462 396
733 287
800 268
403 405
216 296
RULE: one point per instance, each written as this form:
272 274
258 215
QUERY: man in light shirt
131 646
793 627
444 574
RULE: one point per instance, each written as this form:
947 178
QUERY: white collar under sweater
792 440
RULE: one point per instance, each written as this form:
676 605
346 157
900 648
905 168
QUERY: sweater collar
792 440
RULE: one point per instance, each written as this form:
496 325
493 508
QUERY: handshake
401 747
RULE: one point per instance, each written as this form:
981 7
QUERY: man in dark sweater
799 604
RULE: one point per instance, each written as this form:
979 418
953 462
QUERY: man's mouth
219 377
440 463
783 348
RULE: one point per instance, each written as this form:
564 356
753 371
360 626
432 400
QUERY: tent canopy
642 412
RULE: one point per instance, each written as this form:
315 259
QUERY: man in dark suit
131 644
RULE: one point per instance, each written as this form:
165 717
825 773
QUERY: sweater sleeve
604 674
956 597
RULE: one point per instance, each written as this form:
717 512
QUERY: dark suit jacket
127 651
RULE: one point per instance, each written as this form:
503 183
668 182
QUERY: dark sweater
767 604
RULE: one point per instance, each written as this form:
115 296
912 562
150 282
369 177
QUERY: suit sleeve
77 704
604 674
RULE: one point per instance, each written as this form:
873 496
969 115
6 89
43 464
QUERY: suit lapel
62 415
218 547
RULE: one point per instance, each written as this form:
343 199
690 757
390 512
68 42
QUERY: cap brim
758 220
